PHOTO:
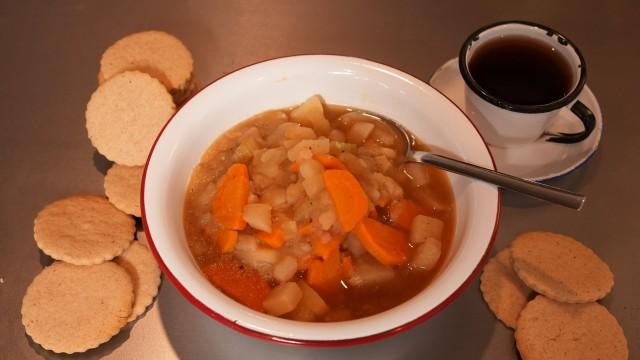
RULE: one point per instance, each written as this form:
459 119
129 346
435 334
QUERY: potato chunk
258 216
367 271
311 113
284 269
282 299
311 306
424 227
426 255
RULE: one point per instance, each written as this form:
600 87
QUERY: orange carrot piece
349 199
325 275
347 266
275 238
387 244
402 212
295 167
227 240
330 161
243 284
324 248
308 228
231 197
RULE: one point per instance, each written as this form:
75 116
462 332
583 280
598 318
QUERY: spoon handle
531 188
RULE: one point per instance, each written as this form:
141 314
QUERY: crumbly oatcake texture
156 53
122 186
138 261
502 290
552 330
83 230
70 308
125 115
560 267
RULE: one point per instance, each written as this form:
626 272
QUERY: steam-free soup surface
309 213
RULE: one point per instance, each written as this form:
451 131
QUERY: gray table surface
49 62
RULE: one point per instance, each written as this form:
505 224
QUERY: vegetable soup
309 213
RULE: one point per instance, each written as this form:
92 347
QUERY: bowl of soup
279 203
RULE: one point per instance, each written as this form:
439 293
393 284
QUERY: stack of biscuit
546 286
102 278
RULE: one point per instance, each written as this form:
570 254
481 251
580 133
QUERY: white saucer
541 160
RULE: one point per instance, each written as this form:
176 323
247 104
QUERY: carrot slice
227 240
387 244
402 212
325 275
324 248
243 284
275 238
330 161
349 199
231 197
295 167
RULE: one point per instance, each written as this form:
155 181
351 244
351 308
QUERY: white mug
506 124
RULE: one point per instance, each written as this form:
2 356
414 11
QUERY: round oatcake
125 115
560 267
145 274
83 230
122 186
502 290
156 53
552 330
70 308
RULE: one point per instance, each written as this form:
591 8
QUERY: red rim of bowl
316 343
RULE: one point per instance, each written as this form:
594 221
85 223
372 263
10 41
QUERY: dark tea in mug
521 70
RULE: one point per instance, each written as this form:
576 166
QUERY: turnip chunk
285 268
417 173
426 256
313 186
258 216
310 168
305 149
424 227
367 271
354 245
299 133
359 132
246 243
311 306
311 113
282 299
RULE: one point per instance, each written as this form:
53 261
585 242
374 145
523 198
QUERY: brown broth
348 302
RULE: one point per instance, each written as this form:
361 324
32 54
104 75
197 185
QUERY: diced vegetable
324 245
311 306
243 284
277 137
311 168
289 229
245 150
285 268
388 245
275 238
359 132
311 113
426 256
259 257
258 216
339 147
349 199
330 162
282 299
424 227
403 212
299 133
274 156
227 240
327 219
305 149
337 135
295 192
354 245
313 186
275 196
368 272
246 243
231 197
325 275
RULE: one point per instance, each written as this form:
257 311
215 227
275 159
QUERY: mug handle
588 121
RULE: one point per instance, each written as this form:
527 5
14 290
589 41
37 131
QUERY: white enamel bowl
289 81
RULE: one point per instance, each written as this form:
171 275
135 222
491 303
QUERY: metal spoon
531 188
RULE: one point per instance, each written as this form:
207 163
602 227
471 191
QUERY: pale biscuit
560 267
83 230
125 115
145 273
502 290
70 308
552 330
122 186
156 53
